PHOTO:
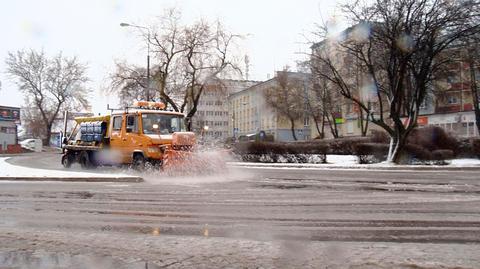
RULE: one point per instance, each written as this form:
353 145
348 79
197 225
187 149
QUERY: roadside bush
433 138
465 148
379 137
440 156
371 152
345 145
476 147
414 154
294 152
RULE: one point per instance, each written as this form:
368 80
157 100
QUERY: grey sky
90 30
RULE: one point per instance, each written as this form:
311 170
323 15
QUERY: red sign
422 120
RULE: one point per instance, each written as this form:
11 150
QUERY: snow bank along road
19 172
247 218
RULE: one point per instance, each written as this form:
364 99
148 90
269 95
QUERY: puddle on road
48 260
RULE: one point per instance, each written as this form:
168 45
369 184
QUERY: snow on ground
9 170
465 162
351 161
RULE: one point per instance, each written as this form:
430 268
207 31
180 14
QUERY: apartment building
251 114
9 118
451 107
212 120
347 119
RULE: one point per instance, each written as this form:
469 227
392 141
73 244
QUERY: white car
32 144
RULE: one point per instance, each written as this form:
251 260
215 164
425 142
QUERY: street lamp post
148 53
204 131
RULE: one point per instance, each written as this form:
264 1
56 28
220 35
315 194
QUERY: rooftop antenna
247 66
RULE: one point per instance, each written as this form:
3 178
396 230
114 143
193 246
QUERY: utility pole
147 90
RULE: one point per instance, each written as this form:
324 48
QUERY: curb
76 179
326 167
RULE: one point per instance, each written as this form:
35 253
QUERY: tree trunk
397 150
474 88
363 123
48 133
397 144
292 128
323 126
320 133
188 124
333 127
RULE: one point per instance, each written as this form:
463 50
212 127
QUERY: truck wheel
92 157
138 162
84 160
67 160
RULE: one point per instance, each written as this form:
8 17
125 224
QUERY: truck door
133 139
117 142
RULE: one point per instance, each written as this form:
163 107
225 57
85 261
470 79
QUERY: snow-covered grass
351 161
465 162
14 171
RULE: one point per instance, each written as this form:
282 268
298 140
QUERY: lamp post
204 131
123 24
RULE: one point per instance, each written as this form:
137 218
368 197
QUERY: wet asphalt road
352 205
258 204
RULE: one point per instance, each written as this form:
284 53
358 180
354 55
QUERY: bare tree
397 43
49 84
187 58
284 98
473 60
325 106
130 82
315 105
208 55
33 122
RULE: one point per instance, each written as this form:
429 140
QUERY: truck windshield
162 124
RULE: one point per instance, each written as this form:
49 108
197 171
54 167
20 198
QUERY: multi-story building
251 114
9 118
451 104
212 120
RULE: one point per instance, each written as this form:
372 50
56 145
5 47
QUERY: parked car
33 144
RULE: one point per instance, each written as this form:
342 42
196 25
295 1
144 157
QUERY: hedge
476 147
293 152
371 152
411 154
433 138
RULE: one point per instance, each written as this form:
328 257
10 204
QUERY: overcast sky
89 29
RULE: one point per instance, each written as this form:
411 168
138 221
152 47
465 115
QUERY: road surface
244 218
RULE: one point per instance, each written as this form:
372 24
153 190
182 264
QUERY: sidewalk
14 172
350 162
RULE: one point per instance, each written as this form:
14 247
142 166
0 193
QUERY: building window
423 105
306 121
350 127
452 99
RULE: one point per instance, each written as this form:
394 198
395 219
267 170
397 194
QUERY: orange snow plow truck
143 134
